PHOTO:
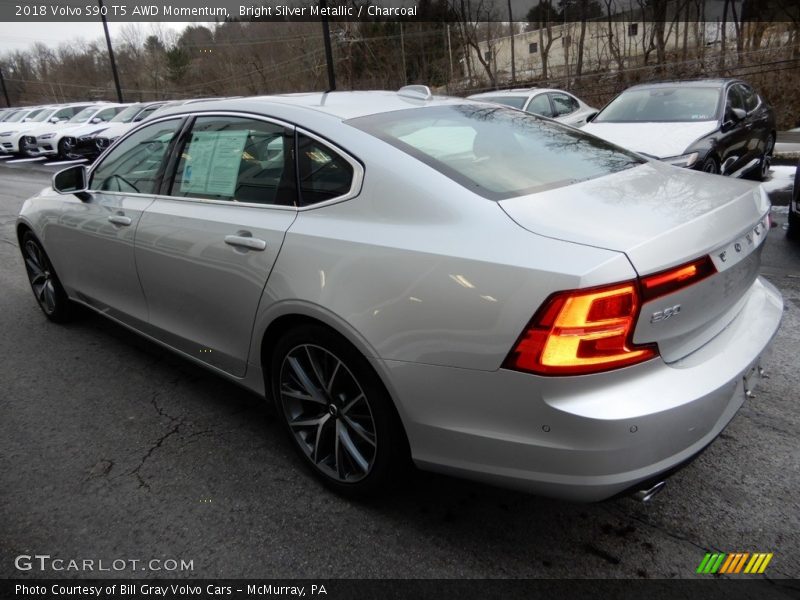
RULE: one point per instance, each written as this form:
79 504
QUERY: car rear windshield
497 152
512 101
662 104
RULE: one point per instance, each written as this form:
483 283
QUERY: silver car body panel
433 284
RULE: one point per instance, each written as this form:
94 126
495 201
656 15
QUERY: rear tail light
660 284
589 331
582 331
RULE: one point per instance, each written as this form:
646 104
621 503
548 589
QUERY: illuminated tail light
582 331
660 284
588 331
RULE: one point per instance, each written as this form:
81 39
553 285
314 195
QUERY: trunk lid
661 217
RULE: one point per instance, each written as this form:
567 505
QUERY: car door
205 247
757 121
97 231
735 134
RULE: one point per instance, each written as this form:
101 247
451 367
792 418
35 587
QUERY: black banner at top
472 11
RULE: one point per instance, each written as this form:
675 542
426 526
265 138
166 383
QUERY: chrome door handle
119 220
245 242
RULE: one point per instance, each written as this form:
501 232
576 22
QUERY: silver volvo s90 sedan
486 292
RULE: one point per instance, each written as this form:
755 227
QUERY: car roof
340 105
517 92
711 82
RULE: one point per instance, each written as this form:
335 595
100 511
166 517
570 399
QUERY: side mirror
95 120
591 117
72 180
739 114
54 119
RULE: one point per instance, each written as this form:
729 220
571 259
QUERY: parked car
22 136
55 142
555 104
443 278
794 207
713 125
89 144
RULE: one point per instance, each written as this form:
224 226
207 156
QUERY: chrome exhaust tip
650 493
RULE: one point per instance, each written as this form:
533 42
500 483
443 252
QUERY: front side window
322 173
540 105
84 115
564 104
735 99
107 114
237 159
749 97
136 164
497 152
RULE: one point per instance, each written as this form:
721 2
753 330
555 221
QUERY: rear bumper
583 438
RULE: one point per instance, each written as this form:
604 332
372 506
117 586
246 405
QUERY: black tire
337 413
710 165
46 286
761 171
793 231
64 150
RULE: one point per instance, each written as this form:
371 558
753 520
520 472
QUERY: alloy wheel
41 277
328 413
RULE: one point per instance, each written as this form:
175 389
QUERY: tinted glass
135 165
735 99
238 159
107 114
540 105
17 116
564 104
512 101
750 98
664 104
497 152
43 116
322 173
126 116
83 115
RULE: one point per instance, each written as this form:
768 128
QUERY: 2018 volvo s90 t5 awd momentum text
489 293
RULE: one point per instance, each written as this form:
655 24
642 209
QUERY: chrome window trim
99 160
355 184
358 172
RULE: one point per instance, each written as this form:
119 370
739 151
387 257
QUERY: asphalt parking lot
112 448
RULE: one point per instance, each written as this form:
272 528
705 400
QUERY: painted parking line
66 162
25 160
4 156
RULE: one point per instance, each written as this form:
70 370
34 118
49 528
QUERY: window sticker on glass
212 163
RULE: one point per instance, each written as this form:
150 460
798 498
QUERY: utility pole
403 54
450 52
326 35
110 52
5 91
511 31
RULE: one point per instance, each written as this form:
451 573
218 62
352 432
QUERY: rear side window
494 151
323 174
512 101
236 159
